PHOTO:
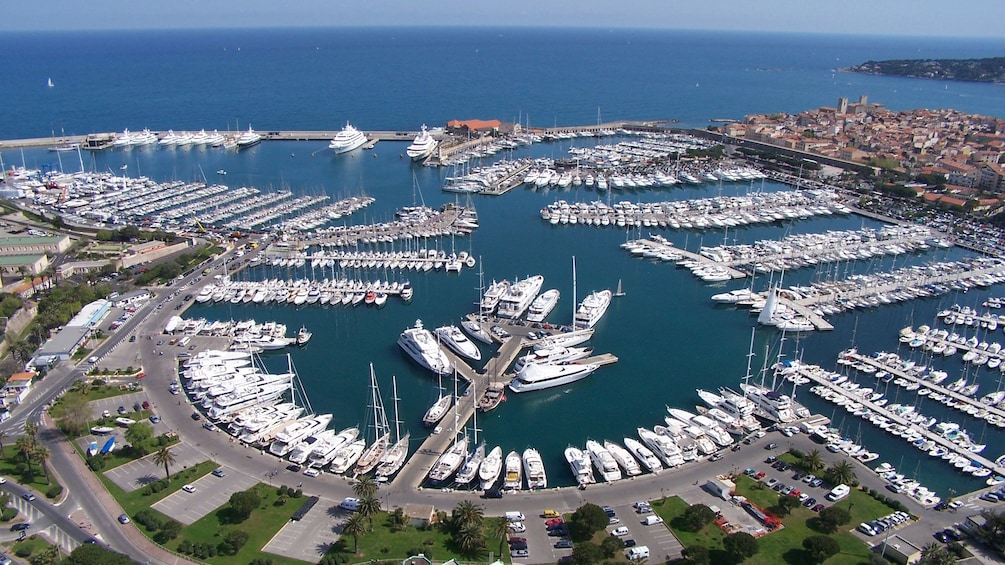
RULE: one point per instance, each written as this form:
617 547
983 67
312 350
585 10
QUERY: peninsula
991 69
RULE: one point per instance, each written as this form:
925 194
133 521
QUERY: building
60 347
473 127
25 245
20 265
419 559
991 178
131 298
150 251
17 388
67 270
720 487
91 314
899 550
420 515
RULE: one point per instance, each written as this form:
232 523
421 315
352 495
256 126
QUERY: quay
507 183
805 311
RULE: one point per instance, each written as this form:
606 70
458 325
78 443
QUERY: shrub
168 531
54 491
185 547
150 519
23 550
8 514
298 493
233 542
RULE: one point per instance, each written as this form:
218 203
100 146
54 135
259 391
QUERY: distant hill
972 70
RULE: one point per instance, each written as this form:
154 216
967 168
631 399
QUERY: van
514 517
838 492
651 519
351 504
637 552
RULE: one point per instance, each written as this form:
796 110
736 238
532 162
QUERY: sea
666 332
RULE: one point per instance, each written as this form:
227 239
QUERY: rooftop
13 260
30 239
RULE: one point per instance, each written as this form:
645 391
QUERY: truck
637 552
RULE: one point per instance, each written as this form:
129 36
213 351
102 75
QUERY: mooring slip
814 318
508 182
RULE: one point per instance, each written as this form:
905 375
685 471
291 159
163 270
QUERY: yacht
260 423
533 469
248 139
543 305
579 462
453 338
419 344
537 377
303 336
475 330
328 447
518 297
567 339
771 405
422 146
513 477
710 428
296 432
644 455
347 456
448 463
552 355
436 412
592 309
625 459
701 440
493 294
246 397
395 457
603 461
663 446
346 140
303 450
491 467
471 466
733 404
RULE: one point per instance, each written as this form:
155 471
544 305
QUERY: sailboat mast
397 420
573 291
750 357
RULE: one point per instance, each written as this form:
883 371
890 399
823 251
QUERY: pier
507 183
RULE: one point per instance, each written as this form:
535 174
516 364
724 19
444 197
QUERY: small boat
303 336
513 479
221 172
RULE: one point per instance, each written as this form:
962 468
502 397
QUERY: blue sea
669 337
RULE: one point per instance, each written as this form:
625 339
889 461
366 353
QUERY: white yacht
603 461
246 397
471 466
644 455
394 458
491 467
296 432
448 463
734 405
327 447
567 339
453 338
579 462
533 469
537 377
347 456
475 330
714 431
771 405
438 409
493 295
248 139
552 355
303 450
422 146
663 447
419 344
513 477
593 308
543 305
346 140
518 297
625 459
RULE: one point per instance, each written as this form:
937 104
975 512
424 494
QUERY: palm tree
369 506
365 486
166 458
3 435
841 473
354 527
812 461
24 446
467 512
31 432
470 537
500 529
41 454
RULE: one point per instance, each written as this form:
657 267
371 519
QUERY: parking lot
142 472
308 539
127 401
663 545
211 492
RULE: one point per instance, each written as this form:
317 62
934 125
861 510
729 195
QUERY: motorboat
579 462
625 460
603 461
518 297
552 355
565 339
533 468
471 466
592 309
422 146
644 455
248 139
513 477
346 140
543 305
771 405
453 338
490 468
493 294
536 376
347 456
475 330
327 448
286 440
419 344
664 447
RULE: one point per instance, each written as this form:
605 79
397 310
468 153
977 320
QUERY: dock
507 183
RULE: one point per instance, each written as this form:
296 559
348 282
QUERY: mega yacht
491 467
448 463
419 344
664 447
518 297
346 140
543 305
453 338
734 405
513 477
579 462
422 146
592 309
471 466
347 456
536 376
303 450
533 469
296 432
493 294
327 447
246 397
253 424
771 405
644 455
704 443
248 139
603 461
714 431
566 339
625 459
552 355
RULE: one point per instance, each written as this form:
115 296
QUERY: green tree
812 461
587 552
25 446
470 539
696 555
992 533
467 512
841 473
610 546
77 413
354 527
820 548
243 503
139 433
4 434
499 528
785 505
364 486
168 531
585 521
40 454
369 506
48 556
234 541
740 546
165 457
832 517
94 554
933 554
697 517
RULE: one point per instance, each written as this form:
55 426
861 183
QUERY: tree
785 505
585 521
470 538
740 546
48 556
4 434
364 486
820 548
832 517
585 553
610 546
369 506
696 555
165 457
94 554
354 527
933 554
139 433
168 531
242 503
77 413
812 461
234 541
40 454
841 473
992 532
499 528
24 446
697 517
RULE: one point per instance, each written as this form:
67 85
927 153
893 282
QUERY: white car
311 472
619 531
188 488
516 527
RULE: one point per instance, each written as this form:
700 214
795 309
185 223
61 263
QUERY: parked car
519 553
563 544
20 527
196 416
809 502
219 473
123 519
188 488
146 405
121 410
154 418
760 475
620 531
817 508
517 540
771 446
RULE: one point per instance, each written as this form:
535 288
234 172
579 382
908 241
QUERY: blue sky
973 18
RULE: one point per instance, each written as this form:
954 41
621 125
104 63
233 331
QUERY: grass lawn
784 545
383 543
33 543
11 461
133 502
261 526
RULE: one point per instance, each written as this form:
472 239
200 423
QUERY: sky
973 18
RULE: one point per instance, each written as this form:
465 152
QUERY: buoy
374 155
292 155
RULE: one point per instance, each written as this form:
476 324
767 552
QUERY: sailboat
474 461
50 83
440 407
474 327
451 460
619 292
371 457
394 458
